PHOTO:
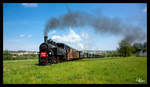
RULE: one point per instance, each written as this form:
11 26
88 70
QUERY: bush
125 49
7 55
112 54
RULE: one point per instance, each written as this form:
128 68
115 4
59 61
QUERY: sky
24 24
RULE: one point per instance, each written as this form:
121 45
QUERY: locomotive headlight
50 53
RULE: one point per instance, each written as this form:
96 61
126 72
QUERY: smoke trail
134 34
99 22
73 19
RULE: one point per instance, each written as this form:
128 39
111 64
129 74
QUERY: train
51 52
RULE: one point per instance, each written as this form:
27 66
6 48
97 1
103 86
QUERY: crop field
130 70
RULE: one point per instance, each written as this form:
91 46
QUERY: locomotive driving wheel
54 60
50 61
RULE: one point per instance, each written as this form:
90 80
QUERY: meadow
119 70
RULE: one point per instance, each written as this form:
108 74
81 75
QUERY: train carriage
72 53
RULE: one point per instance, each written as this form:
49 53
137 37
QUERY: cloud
30 4
145 9
84 35
29 36
53 32
80 45
21 35
72 37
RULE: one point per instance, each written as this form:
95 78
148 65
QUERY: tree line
126 49
8 56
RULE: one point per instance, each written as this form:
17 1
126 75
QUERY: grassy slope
85 71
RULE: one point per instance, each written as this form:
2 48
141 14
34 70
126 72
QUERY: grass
131 70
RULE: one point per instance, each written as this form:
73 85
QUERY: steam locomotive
51 52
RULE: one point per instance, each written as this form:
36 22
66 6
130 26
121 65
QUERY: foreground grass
85 71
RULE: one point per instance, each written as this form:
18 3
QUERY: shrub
7 55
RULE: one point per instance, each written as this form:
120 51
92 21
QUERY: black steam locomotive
51 52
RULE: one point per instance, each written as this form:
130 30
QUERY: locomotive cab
61 52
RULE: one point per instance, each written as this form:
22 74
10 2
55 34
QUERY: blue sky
24 23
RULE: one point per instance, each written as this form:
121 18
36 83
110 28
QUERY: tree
145 45
139 47
7 55
144 49
125 49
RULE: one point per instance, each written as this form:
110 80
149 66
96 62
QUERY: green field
130 70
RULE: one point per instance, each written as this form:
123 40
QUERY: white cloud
53 32
21 35
30 4
84 35
72 37
145 9
80 46
29 36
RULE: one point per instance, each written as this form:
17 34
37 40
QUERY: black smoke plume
99 22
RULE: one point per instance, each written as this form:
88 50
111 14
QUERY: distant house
23 53
142 53
97 52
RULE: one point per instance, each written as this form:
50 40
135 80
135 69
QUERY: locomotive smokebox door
43 54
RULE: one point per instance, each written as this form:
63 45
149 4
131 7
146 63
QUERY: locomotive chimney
45 38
